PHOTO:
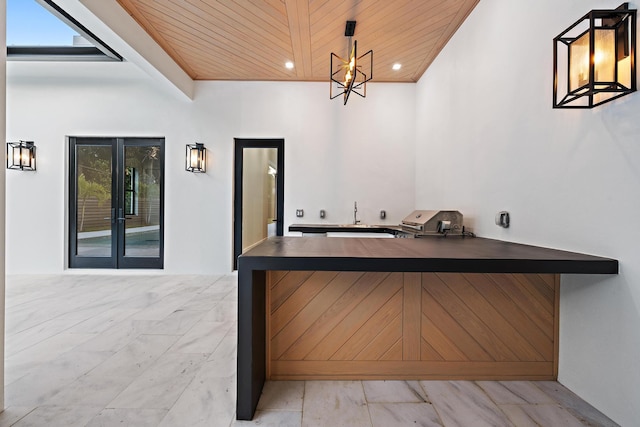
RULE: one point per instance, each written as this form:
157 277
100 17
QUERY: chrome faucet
355 213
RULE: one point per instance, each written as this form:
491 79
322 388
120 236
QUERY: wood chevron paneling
345 325
484 316
252 39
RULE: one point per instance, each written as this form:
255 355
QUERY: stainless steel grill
431 223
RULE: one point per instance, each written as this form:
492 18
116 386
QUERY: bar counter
429 308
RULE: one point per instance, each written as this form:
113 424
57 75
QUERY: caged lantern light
21 155
352 74
594 59
196 158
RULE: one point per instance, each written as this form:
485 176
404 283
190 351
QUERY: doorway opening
116 202
258 197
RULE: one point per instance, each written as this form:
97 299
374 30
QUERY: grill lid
432 221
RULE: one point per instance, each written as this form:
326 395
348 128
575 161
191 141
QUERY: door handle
113 216
121 216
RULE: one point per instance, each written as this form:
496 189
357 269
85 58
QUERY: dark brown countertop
342 228
430 254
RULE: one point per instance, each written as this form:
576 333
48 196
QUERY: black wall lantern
21 155
196 158
594 59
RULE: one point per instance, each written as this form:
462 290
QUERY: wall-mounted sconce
196 158
21 155
594 59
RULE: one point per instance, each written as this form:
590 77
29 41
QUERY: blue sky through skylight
30 24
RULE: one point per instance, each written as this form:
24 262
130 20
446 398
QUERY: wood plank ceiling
253 39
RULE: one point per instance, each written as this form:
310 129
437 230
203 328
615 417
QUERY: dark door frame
238 162
117 258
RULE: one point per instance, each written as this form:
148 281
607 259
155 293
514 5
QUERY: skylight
30 24
41 30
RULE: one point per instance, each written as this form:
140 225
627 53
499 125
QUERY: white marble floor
89 350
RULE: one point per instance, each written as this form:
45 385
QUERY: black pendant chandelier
594 59
352 74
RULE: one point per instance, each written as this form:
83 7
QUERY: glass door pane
141 195
116 202
93 200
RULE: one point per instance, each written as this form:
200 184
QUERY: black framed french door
116 202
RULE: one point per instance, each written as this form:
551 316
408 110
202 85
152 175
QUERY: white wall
489 140
334 154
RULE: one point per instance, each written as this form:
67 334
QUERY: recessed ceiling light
288 65
396 66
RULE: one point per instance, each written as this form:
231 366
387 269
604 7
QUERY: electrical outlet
299 213
322 213
503 219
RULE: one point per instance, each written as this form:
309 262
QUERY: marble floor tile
135 358
282 396
334 403
17 342
575 405
227 349
141 301
203 337
222 312
540 415
162 383
463 403
58 416
218 369
90 390
118 335
177 323
208 401
217 292
128 417
50 378
394 391
83 310
272 419
24 362
514 392
103 321
403 414
27 316
204 301
12 414
164 307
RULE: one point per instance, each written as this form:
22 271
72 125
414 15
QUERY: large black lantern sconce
594 59
196 158
21 155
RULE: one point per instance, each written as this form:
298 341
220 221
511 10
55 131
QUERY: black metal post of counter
383 255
